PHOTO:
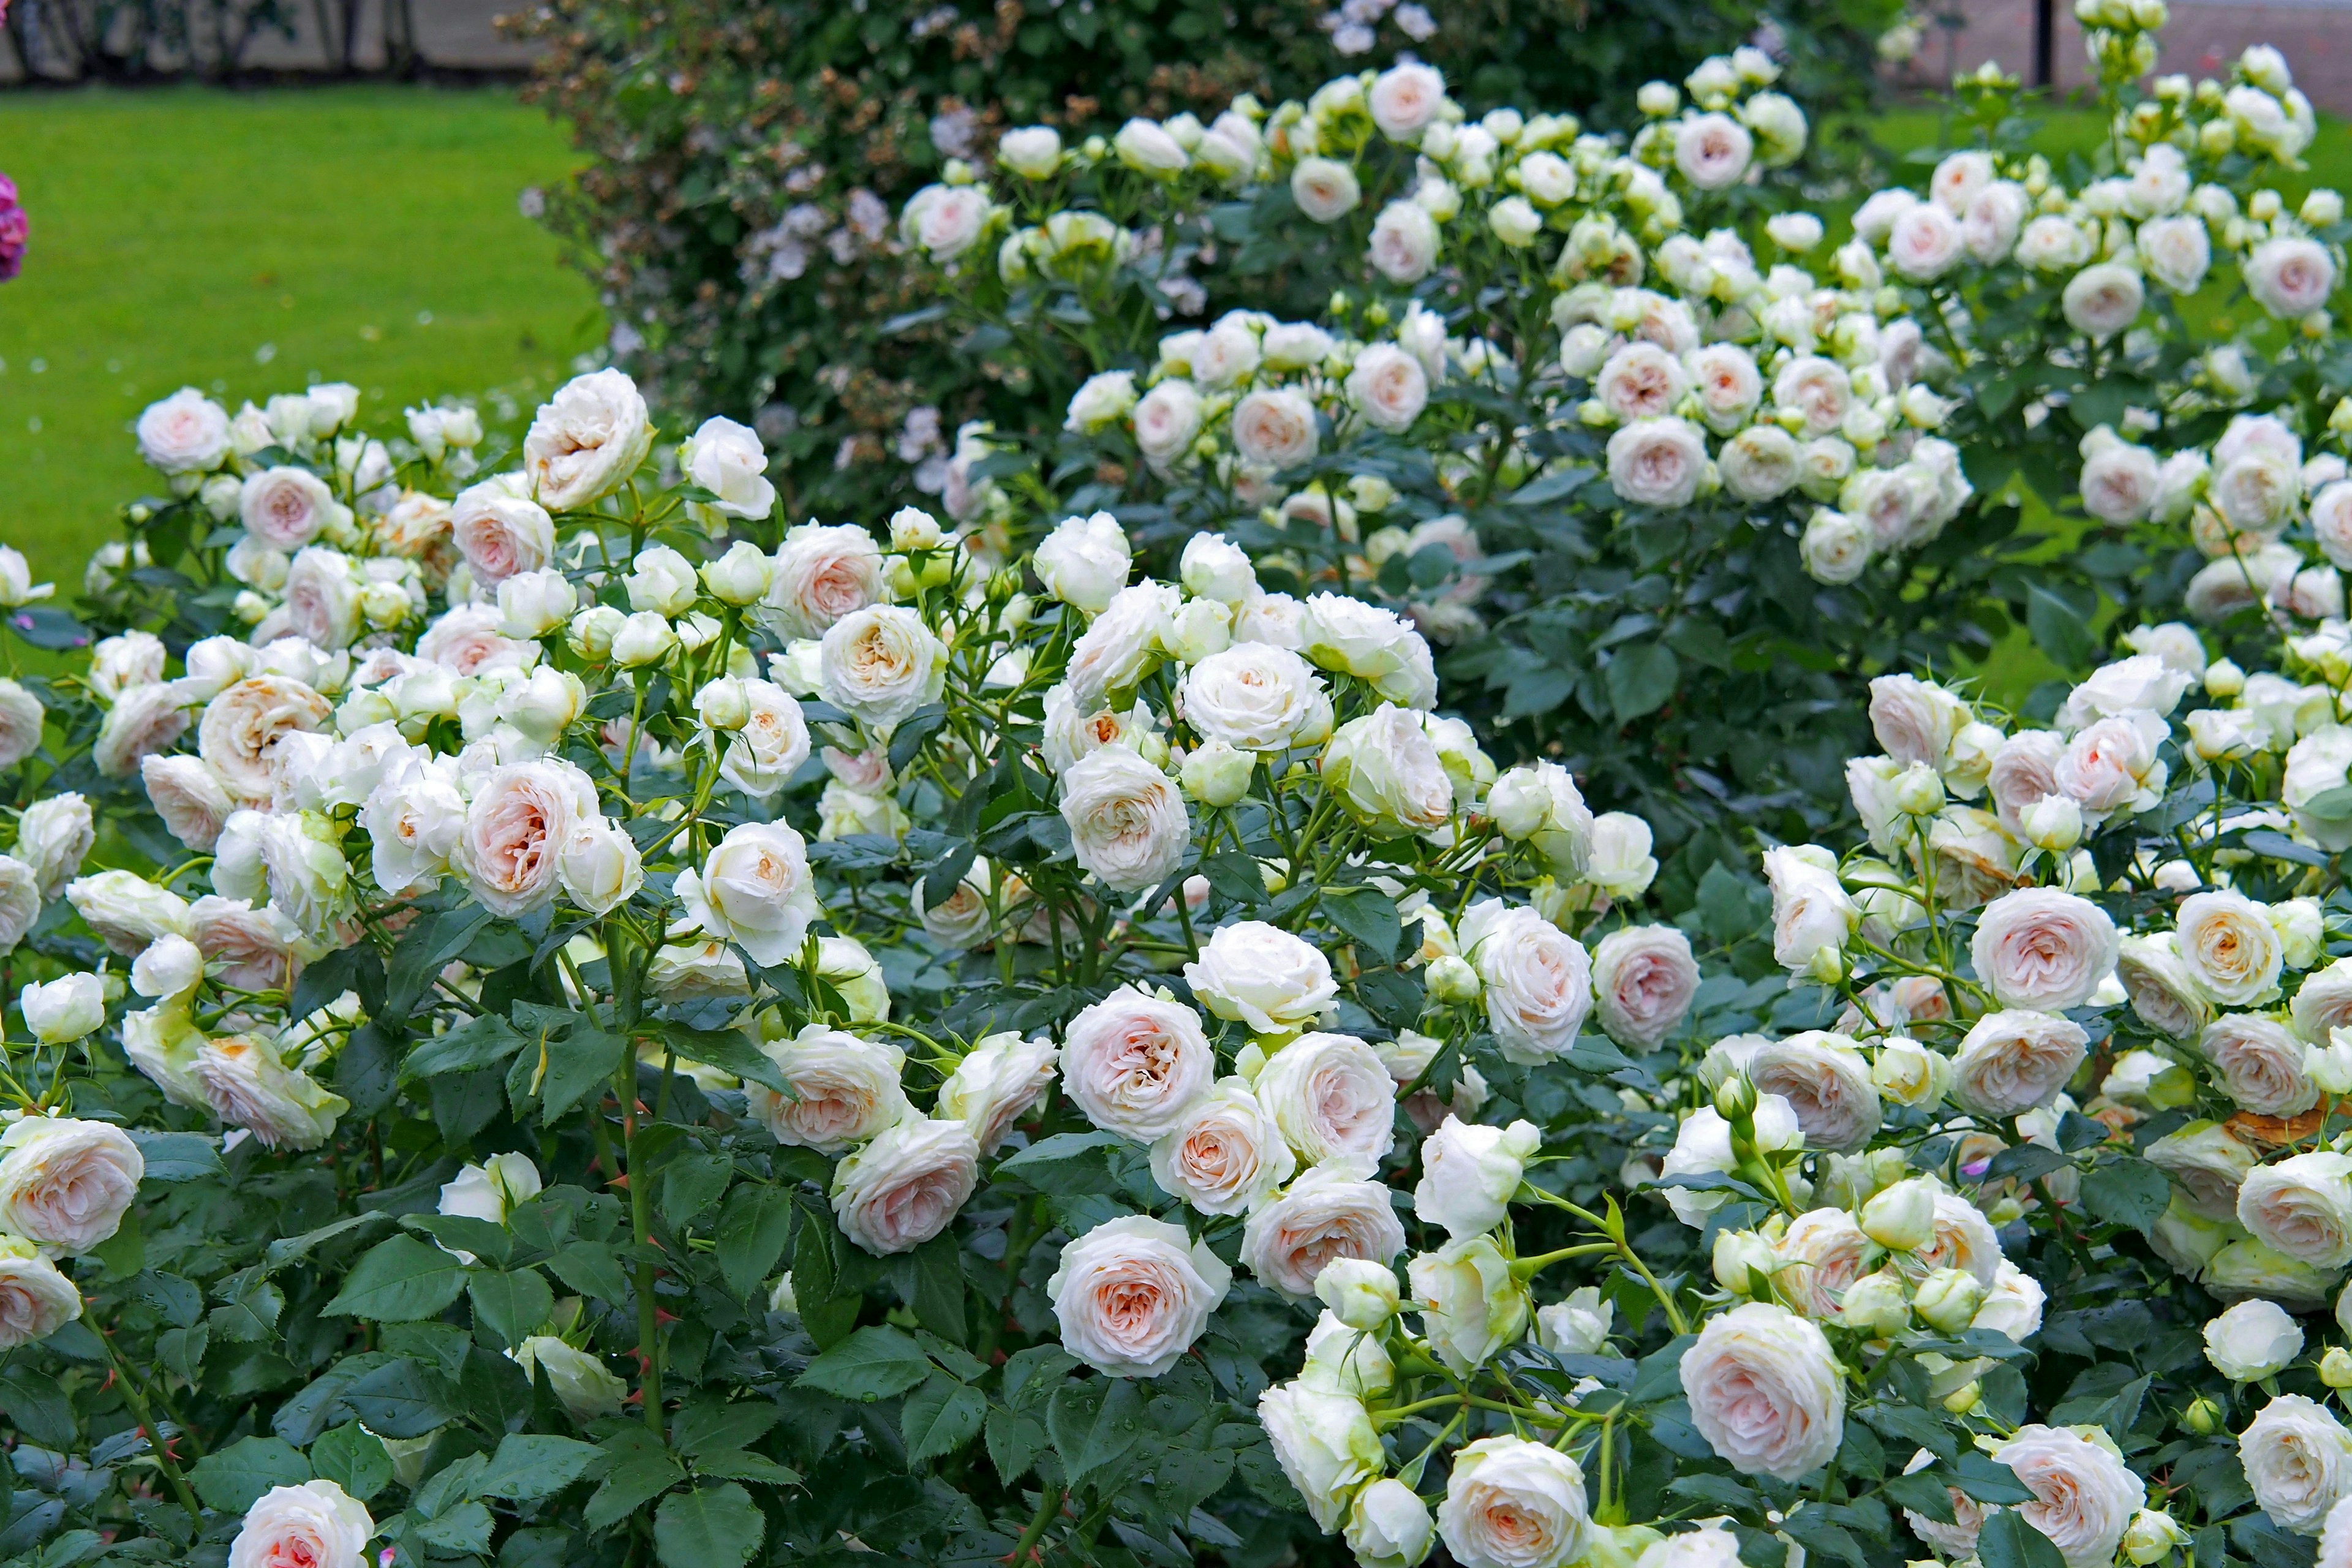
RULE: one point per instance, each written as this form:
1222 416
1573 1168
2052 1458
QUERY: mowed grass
251 243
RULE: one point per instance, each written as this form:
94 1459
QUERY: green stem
1049 1503
137 1398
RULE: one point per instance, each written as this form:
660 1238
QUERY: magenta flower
13 229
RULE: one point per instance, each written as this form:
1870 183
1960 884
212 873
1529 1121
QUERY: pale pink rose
314 1525
1645 979
2024 771
501 532
2260 1062
2016 1060
1765 1392
238 734
2110 763
2085 1497
467 641
1332 1097
1640 381
1331 1211
824 573
144 721
906 1186
1135 1063
1275 429
285 508
843 1091
188 797
2290 278
1132 1295
516 823
1820 1255
2040 948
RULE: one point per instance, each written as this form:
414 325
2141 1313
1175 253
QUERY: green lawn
251 243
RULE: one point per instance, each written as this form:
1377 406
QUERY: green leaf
2008 1541
590 1267
941 1417
1013 1443
514 1304
691 1184
1368 916
232 1479
635 1470
481 1042
872 1364
400 1399
424 949
2126 1190
1094 1426
728 1051
1923 1493
527 1466
738 1465
753 1228
2061 630
353 1459
714 1527
709 1426
1640 678
930 1282
176 1156
584 1061
399 1280
36 1405
463 1532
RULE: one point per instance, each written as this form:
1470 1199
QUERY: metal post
2045 43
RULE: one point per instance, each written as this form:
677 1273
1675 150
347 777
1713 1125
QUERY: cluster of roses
2197 1009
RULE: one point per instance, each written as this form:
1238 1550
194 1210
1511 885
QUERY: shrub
730 215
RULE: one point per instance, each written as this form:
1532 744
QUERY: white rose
127 911
1132 1295
2252 1341
1469 1173
1925 242
1128 822
1388 386
1404 99
1122 646
1703 1147
1213 567
1263 976
1712 150
186 433
1166 420
1539 981
247 1085
490 1191
1657 462
582 1383
1386 770
1331 1097
1101 401
1329 1212
2290 278
1619 861
1827 1084
516 826
2016 1060
1256 697
1646 978
1763 461
754 889
880 664
1511 1503
1325 190
66 1183
1224 1154
1389 1526
2298 1460
1404 242
65 1010
2103 300
2177 251
2302 1206
824 575
906 1186
843 1089
763 754
1135 1063
1373 643
2230 948
36 1299
2041 949
1325 1442
1471 1307
1765 1392
239 735
1577 1325
1812 913
996 1085
586 440
21 718
314 1525
2315 764
1818 1254
2084 1495
2260 1062
2120 483
1084 561
726 458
